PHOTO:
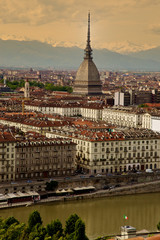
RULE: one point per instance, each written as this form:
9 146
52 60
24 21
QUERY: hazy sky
115 24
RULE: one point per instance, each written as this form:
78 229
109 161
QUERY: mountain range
19 54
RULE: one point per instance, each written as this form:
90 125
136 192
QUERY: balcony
95 160
120 158
1 147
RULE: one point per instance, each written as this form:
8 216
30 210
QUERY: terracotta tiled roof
7 137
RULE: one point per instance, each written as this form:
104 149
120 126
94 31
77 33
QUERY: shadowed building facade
87 80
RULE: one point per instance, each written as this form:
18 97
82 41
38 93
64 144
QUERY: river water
102 216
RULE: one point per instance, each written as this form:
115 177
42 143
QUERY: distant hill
36 54
151 54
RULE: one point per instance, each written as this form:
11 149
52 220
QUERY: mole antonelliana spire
87 80
88 49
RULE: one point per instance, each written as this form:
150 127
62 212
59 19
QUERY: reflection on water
102 216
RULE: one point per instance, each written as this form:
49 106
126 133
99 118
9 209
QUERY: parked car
91 176
124 173
106 187
149 171
29 181
82 176
109 174
98 175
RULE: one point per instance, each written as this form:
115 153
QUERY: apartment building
44 158
107 152
87 110
146 120
7 156
124 117
27 124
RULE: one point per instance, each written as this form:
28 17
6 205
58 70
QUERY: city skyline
121 26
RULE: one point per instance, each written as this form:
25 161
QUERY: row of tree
48 86
12 229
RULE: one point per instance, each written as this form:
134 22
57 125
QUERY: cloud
38 12
155 28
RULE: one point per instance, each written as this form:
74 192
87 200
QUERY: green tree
34 218
70 224
51 186
14 231
9 221
25 233
143 105
55 227
158 226
80 230
37 233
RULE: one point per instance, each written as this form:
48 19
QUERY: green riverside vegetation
12 229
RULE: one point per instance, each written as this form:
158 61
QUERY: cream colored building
124 117
146 121
104 152
90 111
27 124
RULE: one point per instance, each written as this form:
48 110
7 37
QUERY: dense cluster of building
44 134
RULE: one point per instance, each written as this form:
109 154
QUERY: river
102 216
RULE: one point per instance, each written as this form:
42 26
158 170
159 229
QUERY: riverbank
149 187
139 188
